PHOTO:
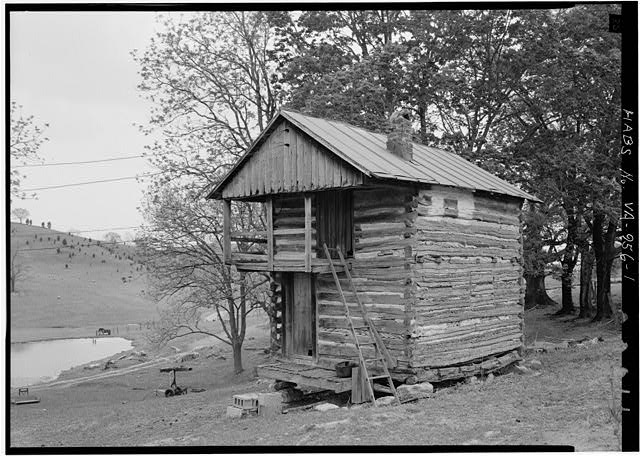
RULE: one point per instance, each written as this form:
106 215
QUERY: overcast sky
74 71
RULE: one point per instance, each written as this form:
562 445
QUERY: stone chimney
400 135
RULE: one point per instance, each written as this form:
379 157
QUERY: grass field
573 400
86 285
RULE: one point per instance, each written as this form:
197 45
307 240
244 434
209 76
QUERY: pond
35 362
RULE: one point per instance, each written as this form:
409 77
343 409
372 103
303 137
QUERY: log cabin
431 241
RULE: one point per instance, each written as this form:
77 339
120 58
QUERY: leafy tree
20 213
25 140
208 77
49 225
563 132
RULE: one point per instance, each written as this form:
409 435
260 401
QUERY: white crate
247 401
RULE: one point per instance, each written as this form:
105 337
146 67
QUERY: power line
37 165
88 182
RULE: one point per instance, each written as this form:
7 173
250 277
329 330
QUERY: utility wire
37 165
87 183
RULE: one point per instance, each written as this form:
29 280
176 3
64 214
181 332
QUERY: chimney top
399 139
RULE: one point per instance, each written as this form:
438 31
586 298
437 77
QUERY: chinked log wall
384 220
467 278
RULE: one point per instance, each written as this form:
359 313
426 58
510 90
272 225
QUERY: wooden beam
307 233
226 230
269 209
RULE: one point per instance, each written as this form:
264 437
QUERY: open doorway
299 315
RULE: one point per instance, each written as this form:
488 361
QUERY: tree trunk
586 288
567 299
569 259
422 114
604 249
237 356
536 293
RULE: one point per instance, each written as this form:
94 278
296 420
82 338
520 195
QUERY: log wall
383 230
275 312
467 278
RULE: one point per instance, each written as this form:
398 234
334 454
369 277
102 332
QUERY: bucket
343 369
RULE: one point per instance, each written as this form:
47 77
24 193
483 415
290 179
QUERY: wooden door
334 222
300 337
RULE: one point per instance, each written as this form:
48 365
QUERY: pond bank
37 362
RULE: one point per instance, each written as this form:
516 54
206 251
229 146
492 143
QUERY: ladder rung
377 377
380 349
375 359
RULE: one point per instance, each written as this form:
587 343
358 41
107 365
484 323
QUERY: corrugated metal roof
367 152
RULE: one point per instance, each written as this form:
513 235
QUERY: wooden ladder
382 355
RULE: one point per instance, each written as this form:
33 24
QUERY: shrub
64 241
58 250
66 266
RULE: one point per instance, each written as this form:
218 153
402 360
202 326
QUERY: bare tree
18 269
183 254
25 139
20 213
112 237
209 80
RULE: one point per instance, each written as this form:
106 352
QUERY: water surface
35 362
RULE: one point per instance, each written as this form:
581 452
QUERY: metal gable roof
367 152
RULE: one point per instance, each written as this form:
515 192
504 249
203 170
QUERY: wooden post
226 230
307 233
269 209
359 391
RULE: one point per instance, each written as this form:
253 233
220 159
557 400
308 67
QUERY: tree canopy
529 95
25 139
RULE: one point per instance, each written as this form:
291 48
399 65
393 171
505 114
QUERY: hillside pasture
88 284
